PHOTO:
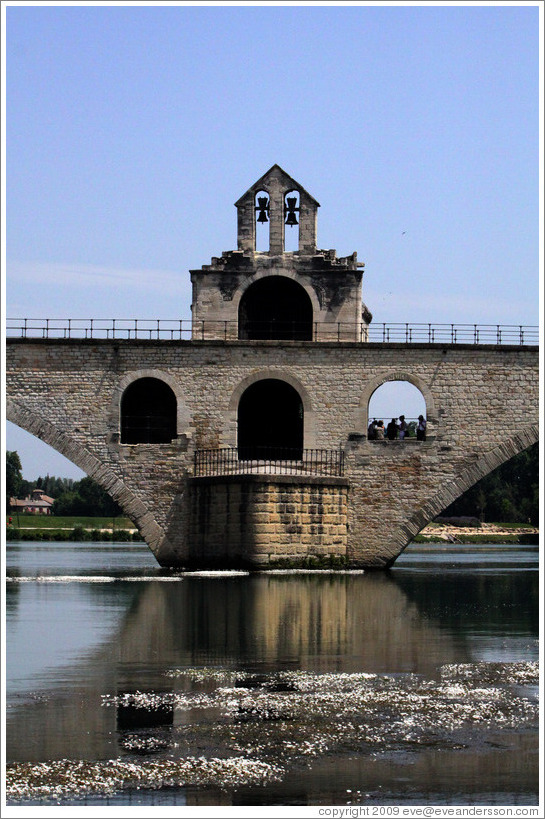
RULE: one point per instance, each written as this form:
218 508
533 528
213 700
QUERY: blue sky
131 131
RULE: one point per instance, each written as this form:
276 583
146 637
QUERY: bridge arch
72 449
362 417
183 415
451 490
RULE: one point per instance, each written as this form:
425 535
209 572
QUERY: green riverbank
50 527
33 527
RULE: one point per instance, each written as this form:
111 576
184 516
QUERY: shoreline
486 533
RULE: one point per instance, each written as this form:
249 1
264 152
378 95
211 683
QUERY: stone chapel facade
273 294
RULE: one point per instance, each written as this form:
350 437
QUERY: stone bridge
481 406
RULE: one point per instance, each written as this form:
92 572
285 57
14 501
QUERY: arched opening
398 402
148 412
270 422
291 221
275 308
262 222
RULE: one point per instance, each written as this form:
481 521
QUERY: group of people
395 429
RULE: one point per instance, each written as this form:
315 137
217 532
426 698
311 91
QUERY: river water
130 685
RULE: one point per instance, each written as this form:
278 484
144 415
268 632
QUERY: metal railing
454 333
268 461
190 330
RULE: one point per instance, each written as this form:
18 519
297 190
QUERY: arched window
291 221
275 308
148 412
396 401
270 422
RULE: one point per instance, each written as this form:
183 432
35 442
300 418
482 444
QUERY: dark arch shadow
270 421
275 307
148 412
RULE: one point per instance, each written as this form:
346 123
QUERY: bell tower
265 291
278 199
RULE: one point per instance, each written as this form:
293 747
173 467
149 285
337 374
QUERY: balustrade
268 461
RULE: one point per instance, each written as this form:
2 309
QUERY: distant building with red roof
38 503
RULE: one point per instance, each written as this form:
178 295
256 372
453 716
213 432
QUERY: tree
14 476
86 498
95 500
67 504
510 494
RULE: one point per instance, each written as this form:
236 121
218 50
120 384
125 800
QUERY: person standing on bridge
379 431
391 430
371 431
421 428
402 426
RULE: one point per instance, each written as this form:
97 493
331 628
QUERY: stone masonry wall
266 519
481 403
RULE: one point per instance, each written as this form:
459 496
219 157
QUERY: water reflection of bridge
321 623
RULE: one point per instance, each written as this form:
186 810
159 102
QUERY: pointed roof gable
289 179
